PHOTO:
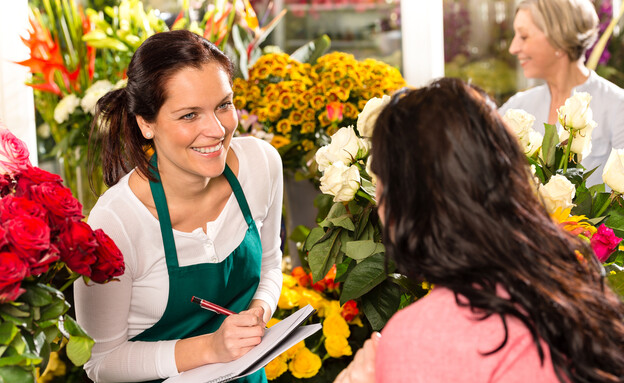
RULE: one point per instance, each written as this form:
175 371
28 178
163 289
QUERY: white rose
65 108
557 193
345 146
520 122
613 173
341 181
576 113
368 116
93 94
581 143
369 171
534 142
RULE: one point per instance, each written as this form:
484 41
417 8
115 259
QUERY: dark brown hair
115 135
461 212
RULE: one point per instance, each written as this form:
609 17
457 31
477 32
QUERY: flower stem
605 205
566 154
70 281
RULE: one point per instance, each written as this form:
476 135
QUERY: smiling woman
188 219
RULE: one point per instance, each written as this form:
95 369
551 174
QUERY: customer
515 297
201 217
551 37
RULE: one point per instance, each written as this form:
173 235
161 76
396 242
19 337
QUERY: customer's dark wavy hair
115 137
462 212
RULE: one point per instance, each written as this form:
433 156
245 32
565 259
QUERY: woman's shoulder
600 87
526 99
254 151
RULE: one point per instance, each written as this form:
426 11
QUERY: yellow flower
308 127
309 115
350 110
56 367
295 117
329 308
324 119
317 102
300 104
279 141
576 224
283 127
272 322
311 297
307 145
240 102
336 325
286 100
276 367
289 280
290 353
337 346
288 299
305 364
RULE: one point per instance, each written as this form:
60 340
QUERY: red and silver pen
211 306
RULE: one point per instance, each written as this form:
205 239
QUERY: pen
211 306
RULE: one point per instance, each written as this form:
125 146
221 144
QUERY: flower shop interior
58 57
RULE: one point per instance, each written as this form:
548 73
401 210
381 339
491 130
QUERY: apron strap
163 216
238 193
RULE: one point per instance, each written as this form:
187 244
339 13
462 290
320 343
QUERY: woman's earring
148 135
557 53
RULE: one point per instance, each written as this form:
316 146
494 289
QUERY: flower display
42 239
301 104
322 356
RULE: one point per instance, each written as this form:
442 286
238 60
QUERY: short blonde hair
569 25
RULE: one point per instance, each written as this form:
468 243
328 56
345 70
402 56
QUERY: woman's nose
514 47
212 126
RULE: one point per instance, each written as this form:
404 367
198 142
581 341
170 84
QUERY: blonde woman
550 41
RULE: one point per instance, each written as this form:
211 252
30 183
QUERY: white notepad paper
277 339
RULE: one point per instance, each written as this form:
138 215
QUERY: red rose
6 184
110 262
12 271
349 310
604 242
3 237
58 200
28 236
77 244
44 260
34 176
12 206
13 152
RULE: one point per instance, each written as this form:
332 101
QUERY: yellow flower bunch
291 98
333 346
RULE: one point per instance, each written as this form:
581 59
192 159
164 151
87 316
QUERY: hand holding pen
239 332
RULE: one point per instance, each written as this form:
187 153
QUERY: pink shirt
435 340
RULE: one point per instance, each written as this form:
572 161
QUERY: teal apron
230 283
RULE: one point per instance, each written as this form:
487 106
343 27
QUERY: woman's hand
238 334
362 369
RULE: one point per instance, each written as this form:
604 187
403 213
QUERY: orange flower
302 277
326 283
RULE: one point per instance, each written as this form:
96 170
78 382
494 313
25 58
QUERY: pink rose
13 152
77 245
604 243
12 271
110 261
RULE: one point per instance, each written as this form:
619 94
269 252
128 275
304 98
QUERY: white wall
16 99
422 36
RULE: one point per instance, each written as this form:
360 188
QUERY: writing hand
237 335
362 368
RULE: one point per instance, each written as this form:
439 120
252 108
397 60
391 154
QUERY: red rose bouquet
42 239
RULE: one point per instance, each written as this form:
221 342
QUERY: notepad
277 339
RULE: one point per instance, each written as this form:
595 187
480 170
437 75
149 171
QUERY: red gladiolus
349 310
604 243
302 277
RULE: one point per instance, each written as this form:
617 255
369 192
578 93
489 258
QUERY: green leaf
15 309
381 303
616 221
13 374
322 256
360 250
615 276
79 349
311 51
549 144
300 233
345 222
315 235
36 296
8 330
54 310
368 187
364 277
362 222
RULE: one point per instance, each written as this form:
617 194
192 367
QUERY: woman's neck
560 84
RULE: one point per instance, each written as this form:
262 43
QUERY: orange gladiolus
302 277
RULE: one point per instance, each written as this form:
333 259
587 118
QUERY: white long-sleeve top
115 312
607 105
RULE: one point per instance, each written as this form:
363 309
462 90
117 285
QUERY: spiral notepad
277 339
